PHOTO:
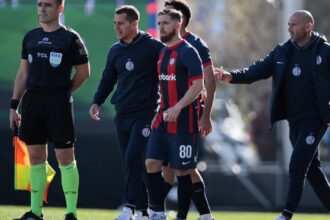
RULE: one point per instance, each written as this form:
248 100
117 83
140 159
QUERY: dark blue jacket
275 64
133 67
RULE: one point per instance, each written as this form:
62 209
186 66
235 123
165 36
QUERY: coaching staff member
44 81
132 65
300 69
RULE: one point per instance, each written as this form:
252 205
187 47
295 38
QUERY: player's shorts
180 150
47 116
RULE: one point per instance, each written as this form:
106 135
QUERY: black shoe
70 216
30 216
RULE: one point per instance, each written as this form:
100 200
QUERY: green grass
10 212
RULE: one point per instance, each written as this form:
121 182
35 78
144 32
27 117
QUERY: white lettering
42 55
170 77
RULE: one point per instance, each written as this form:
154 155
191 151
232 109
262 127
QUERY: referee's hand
94 112
14 119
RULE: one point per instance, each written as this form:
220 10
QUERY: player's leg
183 158
199 195
169 177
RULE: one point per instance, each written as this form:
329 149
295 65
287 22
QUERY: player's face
167 28
124 28
298 28
48 11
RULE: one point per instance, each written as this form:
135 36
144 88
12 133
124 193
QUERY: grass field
10 212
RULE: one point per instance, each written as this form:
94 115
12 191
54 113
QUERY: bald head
304 16
300 27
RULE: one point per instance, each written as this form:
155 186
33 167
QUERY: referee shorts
47 117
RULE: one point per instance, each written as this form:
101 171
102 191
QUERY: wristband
14 104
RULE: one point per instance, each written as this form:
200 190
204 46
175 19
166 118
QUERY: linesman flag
22 167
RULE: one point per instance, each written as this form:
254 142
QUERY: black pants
133 132
305 136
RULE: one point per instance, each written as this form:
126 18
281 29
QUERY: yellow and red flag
22 167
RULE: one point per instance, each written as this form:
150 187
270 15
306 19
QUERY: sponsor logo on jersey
45 40
55 59
30 58
42 55
318 60
296 71
129 65
164 77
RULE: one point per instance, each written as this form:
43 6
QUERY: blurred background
243 162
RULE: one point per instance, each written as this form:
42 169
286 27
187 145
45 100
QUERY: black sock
184 195
156 190
199 198
287 214
144 212
168 187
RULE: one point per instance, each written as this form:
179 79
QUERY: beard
166 38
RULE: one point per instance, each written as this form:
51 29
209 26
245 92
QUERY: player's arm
81 75
171 114
18 92
210 86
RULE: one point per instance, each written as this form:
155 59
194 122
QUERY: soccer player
44 81
132 65
198 188
174 134
300 95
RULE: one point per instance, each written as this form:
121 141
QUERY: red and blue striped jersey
178 66
200 46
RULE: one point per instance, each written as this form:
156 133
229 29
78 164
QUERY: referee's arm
19 90
82 73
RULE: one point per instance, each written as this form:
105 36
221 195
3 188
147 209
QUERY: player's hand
14 119
94 112
171 114
203 95
205 126
222 75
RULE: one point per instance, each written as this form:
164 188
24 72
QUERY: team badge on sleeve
55 59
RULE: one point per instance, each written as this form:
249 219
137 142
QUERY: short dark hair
174 14
182 6
59 2
132 14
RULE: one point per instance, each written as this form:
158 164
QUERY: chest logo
310 139
318 60
296 71
145 132
172 61
30 58
55 59
129 65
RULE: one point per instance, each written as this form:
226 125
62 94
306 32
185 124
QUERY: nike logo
185 163
279 62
